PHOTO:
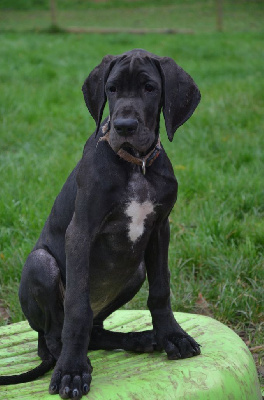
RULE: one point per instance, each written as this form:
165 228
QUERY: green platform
224 371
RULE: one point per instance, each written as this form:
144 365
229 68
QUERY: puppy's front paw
72 382
180 345
174 340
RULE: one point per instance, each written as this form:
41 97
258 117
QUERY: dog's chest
129 223
119 246
138 214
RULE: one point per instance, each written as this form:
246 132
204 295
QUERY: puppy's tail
31 375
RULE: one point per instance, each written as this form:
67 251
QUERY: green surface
225 370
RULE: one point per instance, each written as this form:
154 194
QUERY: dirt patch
4 312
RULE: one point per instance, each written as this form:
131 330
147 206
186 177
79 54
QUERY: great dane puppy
109 226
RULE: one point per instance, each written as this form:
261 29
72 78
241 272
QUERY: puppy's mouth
132 150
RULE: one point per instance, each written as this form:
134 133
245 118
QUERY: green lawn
217 228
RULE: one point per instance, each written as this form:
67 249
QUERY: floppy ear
181 96
94 89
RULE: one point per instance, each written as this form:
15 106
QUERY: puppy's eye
112 89
149 88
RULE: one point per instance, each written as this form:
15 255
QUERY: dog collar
143 162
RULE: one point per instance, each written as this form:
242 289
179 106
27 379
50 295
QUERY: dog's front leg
72 374
168 333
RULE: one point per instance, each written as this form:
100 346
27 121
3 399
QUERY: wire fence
116 16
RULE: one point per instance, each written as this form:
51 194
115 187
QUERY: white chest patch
138 213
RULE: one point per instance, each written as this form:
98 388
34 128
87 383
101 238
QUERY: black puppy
109 226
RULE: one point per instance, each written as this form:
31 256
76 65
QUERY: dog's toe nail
75 393
85 388
197 350
53 389
66 390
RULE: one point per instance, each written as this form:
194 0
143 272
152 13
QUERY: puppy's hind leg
132 341
41 300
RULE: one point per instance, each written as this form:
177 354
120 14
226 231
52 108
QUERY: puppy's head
137 85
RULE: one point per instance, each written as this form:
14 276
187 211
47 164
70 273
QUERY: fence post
219 15
53 13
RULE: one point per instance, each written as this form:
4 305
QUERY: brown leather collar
143 162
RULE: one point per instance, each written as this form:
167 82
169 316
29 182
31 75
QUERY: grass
217 229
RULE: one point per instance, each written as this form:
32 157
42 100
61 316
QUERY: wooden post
219 15
53 12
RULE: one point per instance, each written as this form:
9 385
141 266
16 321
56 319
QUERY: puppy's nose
125 126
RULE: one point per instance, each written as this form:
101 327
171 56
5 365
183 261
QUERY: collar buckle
143 166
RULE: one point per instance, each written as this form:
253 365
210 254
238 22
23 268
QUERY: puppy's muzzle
125 126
